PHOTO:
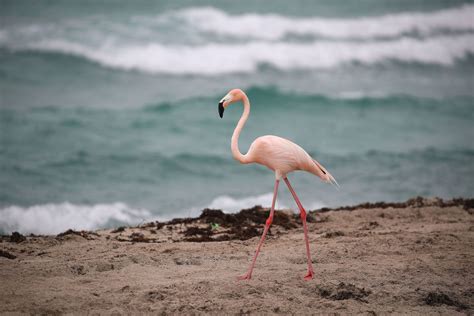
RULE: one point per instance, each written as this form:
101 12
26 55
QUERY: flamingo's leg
310 274
248 275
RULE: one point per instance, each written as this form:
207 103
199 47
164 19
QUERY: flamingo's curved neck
235 136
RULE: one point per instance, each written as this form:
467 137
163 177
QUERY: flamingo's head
231 97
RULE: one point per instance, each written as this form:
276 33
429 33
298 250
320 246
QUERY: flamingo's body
280 155
283 156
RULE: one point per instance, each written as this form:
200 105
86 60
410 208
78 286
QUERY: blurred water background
109 108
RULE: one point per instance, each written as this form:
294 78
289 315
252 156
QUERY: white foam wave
143 44
230 204
273 26
56 218
314 205
215 59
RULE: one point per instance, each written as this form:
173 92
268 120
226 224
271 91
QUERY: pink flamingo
280 155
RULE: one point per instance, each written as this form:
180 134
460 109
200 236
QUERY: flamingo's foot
246 276
309 276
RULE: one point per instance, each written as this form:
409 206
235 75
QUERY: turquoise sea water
109 111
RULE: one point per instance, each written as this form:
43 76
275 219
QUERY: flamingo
280 155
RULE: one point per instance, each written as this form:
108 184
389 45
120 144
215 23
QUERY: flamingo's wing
283 156
279 154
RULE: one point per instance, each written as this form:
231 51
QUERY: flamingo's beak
221 109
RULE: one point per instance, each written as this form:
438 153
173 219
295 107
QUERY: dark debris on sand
333 234
239 226
84 234
343 291
256 215
467 204
439 298
138 237
215 225
196 234
17 237
248 223
118 230
6 254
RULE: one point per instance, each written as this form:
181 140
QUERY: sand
406 258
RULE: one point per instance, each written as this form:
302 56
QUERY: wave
274 26
218 59
278 96
53 218
56 218
230 204
209 41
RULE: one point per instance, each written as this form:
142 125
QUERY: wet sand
415 257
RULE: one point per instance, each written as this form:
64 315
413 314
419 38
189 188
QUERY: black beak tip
221 109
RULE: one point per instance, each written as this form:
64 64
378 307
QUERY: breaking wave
230 204
216 59
56 218
274 26
209 41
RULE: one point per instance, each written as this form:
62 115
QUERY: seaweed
239 226
417 201
119 229
17 237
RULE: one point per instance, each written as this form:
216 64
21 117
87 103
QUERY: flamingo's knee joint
269 221
303 214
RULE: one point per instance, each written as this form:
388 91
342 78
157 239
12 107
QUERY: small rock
186 261
78 269
154 296
333 234
104 266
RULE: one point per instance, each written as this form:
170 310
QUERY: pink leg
248 275
310 274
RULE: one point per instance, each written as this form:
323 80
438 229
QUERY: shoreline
408 257
256 216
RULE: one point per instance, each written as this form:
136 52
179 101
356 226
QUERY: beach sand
415 257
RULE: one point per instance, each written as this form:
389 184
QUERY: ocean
108 110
